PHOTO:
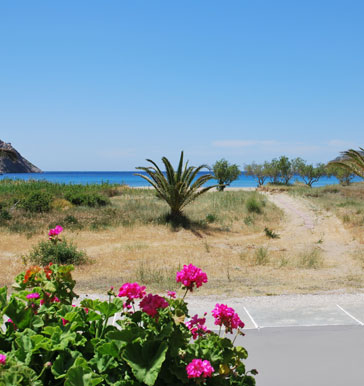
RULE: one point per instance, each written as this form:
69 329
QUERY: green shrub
87 199
48 340
70 220
4 215
210 218
62 252
37 202
270 233
254 205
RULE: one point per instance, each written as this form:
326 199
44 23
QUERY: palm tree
178 188
352 160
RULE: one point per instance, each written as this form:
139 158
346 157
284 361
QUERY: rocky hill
12 162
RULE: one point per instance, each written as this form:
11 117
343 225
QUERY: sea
129 178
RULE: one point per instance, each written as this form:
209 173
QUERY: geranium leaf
146 360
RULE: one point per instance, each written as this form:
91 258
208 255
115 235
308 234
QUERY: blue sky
102 85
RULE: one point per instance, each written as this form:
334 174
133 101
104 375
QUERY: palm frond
178 188
353 161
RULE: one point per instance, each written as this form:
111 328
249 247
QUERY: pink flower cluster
197 326
55 231
226 316
2 359
198 368
171 294
151 303
190 276
34 295
132 291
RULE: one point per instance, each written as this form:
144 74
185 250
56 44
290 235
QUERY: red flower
151 303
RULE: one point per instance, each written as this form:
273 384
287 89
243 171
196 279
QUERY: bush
62 252
49 341
253 205
210 218
5 215
87 199
37 202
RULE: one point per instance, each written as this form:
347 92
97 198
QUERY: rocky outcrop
12 162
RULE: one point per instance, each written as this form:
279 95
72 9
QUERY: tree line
280 171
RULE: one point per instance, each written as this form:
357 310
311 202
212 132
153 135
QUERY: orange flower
30 272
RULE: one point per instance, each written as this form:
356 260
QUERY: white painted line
351 316
251 318
113 321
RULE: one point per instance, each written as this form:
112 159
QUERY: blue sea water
129 178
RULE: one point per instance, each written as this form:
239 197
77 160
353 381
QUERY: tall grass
126 207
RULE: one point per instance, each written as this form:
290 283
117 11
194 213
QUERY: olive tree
225 173
310 173
343 174
259 171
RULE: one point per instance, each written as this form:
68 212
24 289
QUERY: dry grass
232 249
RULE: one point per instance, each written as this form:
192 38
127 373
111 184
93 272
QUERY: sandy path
306 225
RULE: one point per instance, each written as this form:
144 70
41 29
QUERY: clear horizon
102 86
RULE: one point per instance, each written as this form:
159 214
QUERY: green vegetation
280 171
225 173
125 207
260 171
254 204
47 339
270 233
310 173
177 188
353 161
343 174
62 252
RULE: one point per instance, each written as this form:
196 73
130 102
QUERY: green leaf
3 297
109 348
80 374
18 313
63 362
128 335
107 309
24 346
146 360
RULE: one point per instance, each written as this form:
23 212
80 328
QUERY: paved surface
306 356
288 310
298 340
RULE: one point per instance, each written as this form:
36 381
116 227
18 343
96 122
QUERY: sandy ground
307 225
229 257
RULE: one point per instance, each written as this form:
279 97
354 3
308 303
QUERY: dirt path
307 225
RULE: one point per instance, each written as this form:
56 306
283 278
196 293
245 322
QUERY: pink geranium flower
171 294
2 359
226 316
151 303
190 276
198 368
197 326
64 321
132 291
34 295
55 231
